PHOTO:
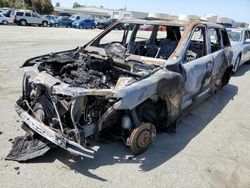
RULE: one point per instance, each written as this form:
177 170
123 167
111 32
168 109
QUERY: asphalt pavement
210 149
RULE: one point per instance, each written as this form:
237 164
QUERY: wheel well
227 75
240 54
155 112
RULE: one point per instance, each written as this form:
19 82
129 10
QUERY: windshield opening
155 41
235 36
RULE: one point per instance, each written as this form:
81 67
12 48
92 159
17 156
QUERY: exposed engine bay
86 72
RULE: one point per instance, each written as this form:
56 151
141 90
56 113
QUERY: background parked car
65 22
7 12
5 20
53 21
146 27
63 15
76 17
24 17
98 20
84 24
240 41
105 23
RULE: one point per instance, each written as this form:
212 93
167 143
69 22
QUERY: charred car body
129 84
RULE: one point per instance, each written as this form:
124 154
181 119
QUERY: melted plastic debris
25 148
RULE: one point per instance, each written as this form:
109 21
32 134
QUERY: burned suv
125 84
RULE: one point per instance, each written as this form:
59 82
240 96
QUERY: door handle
208 63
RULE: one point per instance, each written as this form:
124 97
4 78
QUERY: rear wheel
226 77
23 22
5 22
56 25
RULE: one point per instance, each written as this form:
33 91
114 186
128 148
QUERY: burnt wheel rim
144 139
141 138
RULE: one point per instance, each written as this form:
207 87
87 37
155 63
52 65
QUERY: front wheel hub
141 138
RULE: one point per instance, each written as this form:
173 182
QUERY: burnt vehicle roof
178 23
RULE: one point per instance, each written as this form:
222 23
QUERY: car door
218 53
33 18
1 19
87 24
246 46
197 66
64 22
28 17
36 19
68 22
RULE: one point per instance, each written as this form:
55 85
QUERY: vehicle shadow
164 148
243 69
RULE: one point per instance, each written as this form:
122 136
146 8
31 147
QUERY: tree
19 5
47 7
76 5
37 6
28 3
5 3
42 6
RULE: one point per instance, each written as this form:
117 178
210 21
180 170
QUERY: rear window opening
19 13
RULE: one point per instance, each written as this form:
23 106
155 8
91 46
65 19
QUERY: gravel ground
210 149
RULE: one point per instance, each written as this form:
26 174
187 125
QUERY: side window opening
35 15
197 45
215 39
144 43
225 38
168 38
19 13
28 14
157 41
247 35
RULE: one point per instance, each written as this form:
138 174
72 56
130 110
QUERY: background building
100 12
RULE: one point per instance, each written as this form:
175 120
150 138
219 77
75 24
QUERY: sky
239 10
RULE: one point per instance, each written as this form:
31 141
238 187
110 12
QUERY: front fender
164 84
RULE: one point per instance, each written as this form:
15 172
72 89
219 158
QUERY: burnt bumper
56 138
